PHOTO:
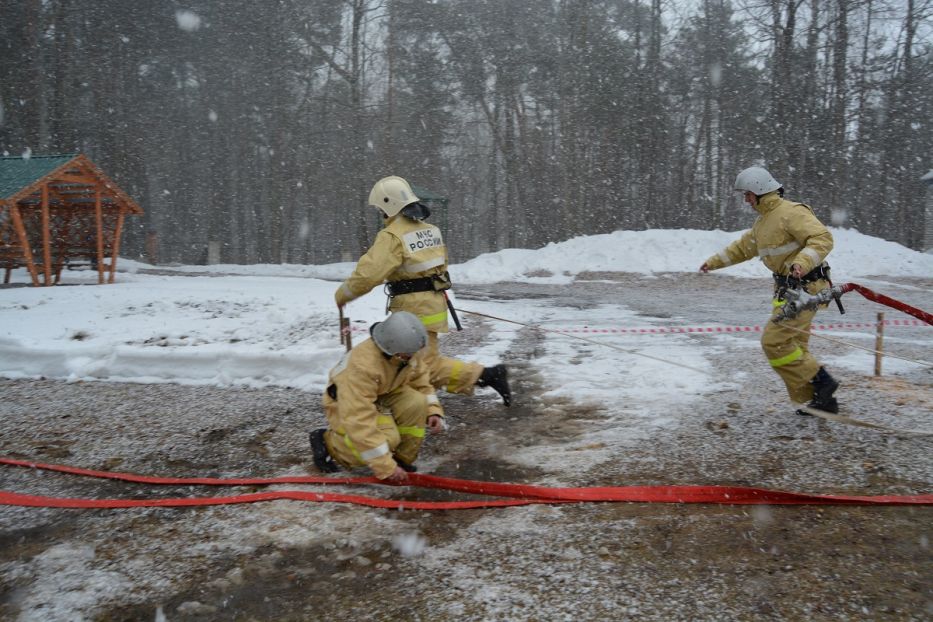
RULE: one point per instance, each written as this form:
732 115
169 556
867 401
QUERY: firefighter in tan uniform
793 244
379 402
410 257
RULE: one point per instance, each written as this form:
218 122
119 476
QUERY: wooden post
99 225
116 245
345 331
152 247
879 344
24 241
46 241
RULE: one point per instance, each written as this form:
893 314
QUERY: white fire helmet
391 194
756 180
401 333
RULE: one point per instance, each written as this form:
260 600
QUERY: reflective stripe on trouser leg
410 411
788 359
788 353
341 446
451 375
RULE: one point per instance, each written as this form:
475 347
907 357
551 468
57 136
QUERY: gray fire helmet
401 333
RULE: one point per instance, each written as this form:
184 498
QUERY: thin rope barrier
588 340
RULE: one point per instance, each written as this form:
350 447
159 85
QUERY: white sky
276 324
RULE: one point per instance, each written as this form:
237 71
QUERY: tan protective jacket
362 376
405 249
784 234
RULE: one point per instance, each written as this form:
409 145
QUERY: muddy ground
299 561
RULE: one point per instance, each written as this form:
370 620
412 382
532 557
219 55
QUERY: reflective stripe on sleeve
724 258
785 360
410 431
779 250
368 455
347 292
375 452
812 254
432 399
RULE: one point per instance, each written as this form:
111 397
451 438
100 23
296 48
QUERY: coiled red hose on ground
514 494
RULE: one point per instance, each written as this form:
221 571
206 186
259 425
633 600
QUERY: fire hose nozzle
797 300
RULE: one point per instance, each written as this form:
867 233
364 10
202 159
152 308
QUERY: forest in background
261 126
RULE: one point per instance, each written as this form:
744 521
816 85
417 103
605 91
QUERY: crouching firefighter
379 402
410 257
793 244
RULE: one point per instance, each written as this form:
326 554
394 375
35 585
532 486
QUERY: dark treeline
261 126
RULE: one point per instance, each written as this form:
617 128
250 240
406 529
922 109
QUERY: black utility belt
817 273
436 283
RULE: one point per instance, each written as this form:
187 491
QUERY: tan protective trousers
403 422
451 375
788 352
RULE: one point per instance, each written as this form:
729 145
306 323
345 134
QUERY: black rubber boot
498 378
410 468
322 458
824 386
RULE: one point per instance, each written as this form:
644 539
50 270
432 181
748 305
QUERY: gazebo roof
17 172
73 181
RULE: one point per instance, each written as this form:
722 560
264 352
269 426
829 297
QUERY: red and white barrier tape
668 330
727 329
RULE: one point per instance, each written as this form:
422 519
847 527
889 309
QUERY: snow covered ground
276 325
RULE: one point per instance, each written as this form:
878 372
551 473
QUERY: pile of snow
641 252
680 250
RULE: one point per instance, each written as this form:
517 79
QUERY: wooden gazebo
57 211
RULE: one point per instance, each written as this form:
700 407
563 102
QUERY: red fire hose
888 302
515 494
